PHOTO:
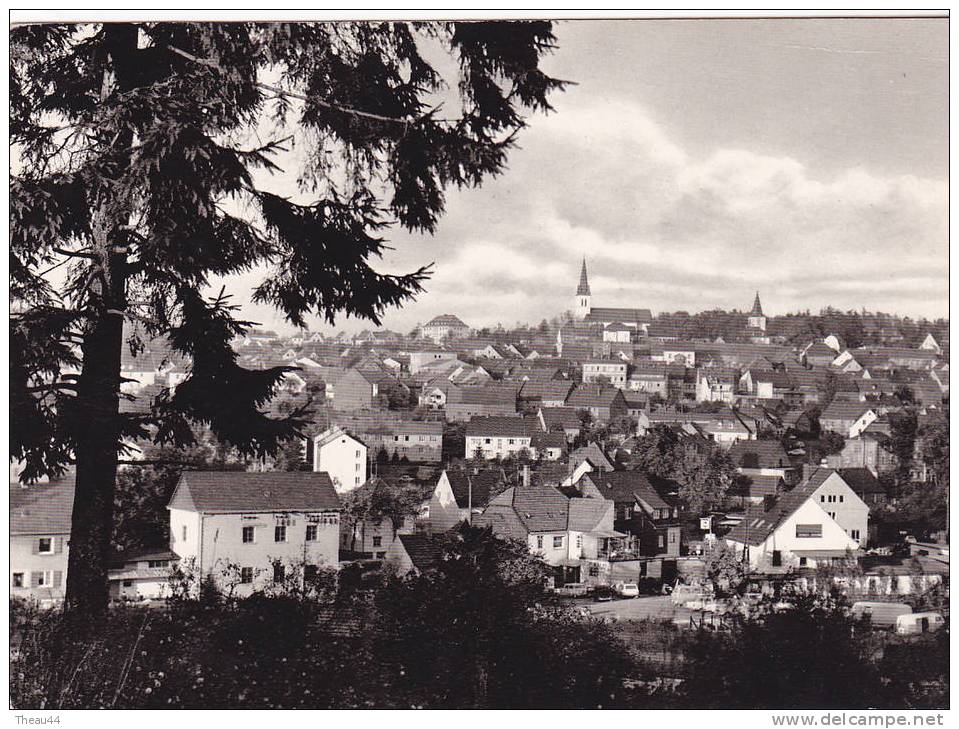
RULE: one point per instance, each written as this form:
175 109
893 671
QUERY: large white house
799 528
248 530
342 456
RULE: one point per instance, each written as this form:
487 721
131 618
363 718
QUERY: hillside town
621 453
467 363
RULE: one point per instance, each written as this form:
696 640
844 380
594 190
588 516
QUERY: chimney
526 476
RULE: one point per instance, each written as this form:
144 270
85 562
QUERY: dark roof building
230 492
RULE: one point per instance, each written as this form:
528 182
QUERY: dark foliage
136 184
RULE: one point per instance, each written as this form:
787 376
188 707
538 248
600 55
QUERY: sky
696 162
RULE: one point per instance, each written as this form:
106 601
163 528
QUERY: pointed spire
583 288
757 307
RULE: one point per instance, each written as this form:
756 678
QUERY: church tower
583 297
756 318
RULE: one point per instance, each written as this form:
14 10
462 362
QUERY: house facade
250 530
342 456
39 540
498 437
790 532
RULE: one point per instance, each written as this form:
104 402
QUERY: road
641 608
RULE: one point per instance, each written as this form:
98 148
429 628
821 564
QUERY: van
883 614
916 623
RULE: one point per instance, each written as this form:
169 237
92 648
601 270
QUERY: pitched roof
762 486
563 417
590 452
638 316
499 427
760 521
861 481
583 288
757 307
551 390
445 320
759 454
481 483
499 395
43 508
586 514
587 395
535 508
845 410
227 492
425 551
542 440
627 486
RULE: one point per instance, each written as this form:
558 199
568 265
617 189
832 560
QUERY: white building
795 530
342 456
248 530
614 370
498 436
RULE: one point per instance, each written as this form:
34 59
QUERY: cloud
665 229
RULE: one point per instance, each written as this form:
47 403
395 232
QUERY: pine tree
136 186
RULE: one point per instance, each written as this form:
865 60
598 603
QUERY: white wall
344 459
223 544
496 447
851 513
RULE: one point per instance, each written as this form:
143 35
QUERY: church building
636 320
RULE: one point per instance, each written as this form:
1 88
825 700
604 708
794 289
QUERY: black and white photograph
492 361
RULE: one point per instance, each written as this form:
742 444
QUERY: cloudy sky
698 161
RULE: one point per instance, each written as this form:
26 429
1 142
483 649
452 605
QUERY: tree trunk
98 402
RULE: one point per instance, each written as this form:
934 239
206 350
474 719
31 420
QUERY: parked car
572 589
603 593
882 614
915 623
627 589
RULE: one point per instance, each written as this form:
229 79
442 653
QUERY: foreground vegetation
478 632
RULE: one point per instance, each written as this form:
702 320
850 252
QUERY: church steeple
757 320
583 296
583 288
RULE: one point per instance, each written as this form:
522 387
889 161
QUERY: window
579 541
512 441
357 454
357 467
832 514
777 558
672 537
557 542
854 533
661 540
802 561
249 534
42 579
808 531
184 532
487 441
246 575
377 541
279 573
128 583
311 532
840 498
157 563
539 542
822 498
45 545
381 555
279 534
18 579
